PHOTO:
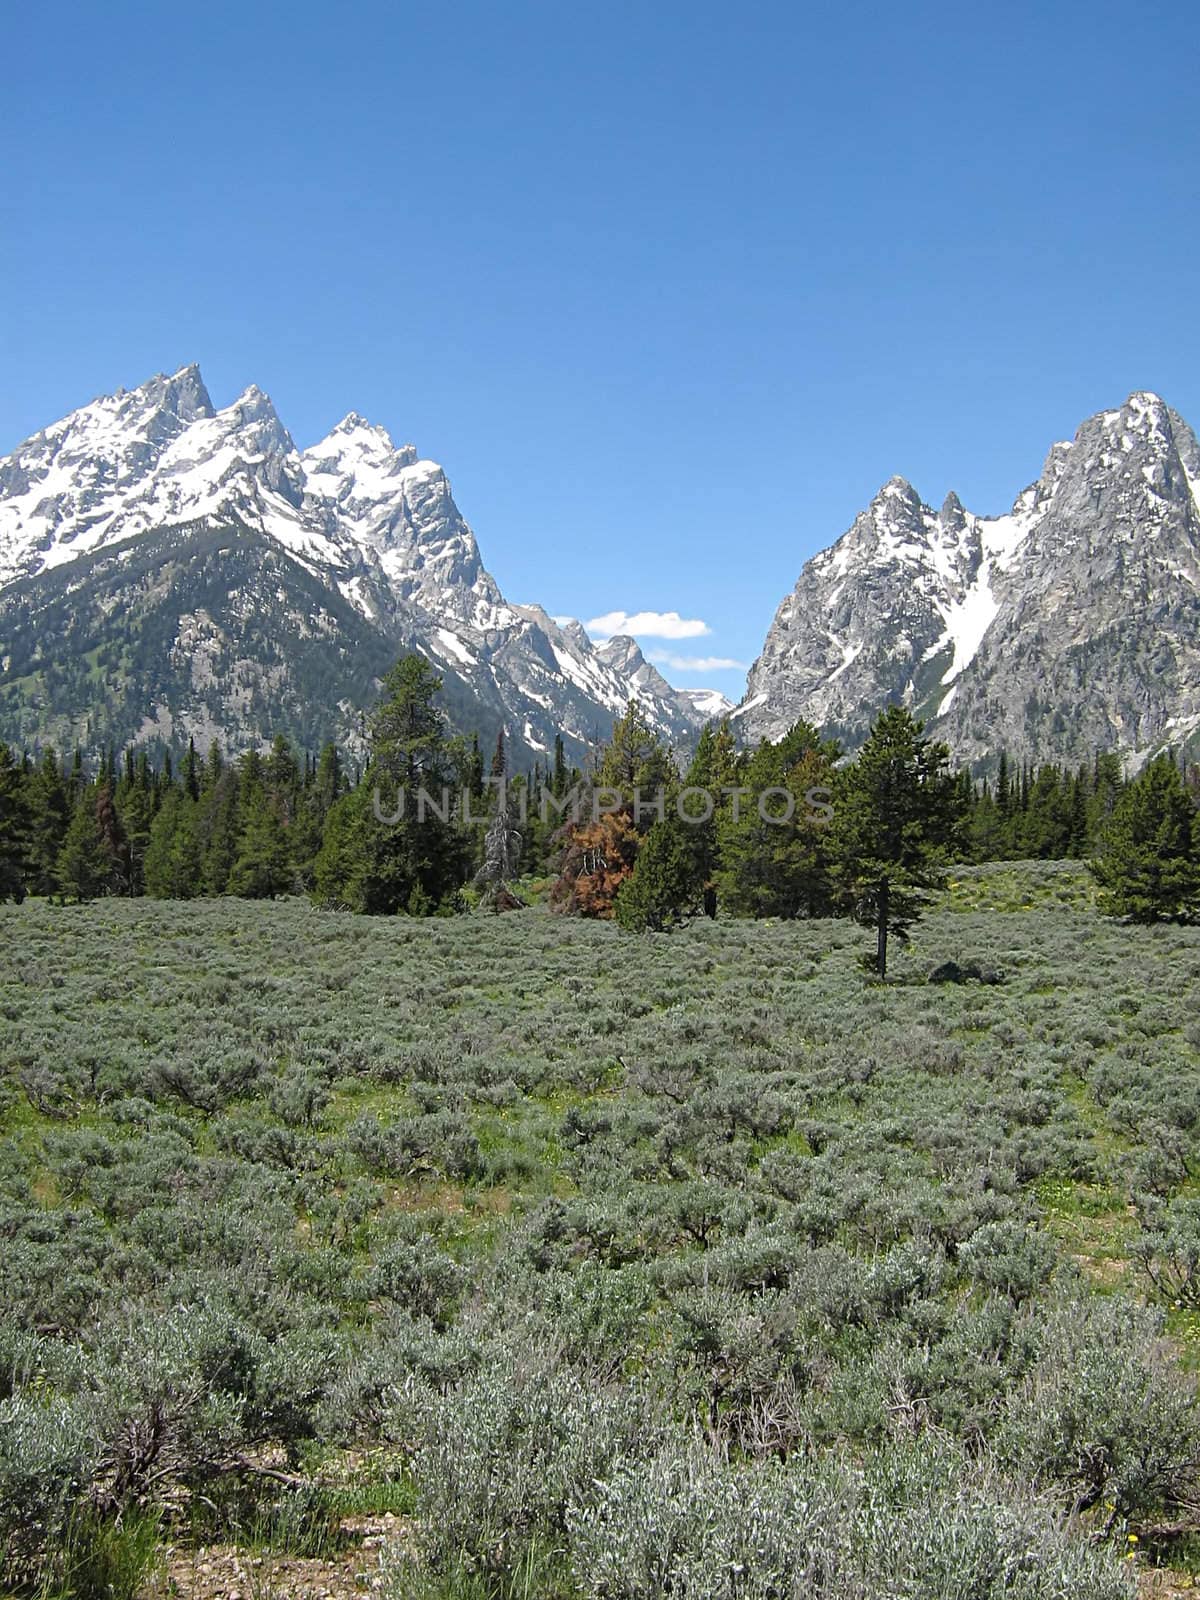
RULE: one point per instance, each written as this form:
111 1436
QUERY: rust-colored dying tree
597 858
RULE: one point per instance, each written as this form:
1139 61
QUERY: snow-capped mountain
169 570
1070 624
710 704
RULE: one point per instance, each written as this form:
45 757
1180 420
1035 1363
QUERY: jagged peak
1146 400
109 418
1036 494
254 406
532 612
254 399
621 647
185 377
896 492
354 423
355 437
1143 412
575 631
182 392
953 513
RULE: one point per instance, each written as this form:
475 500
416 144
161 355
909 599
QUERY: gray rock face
1068 625
148 531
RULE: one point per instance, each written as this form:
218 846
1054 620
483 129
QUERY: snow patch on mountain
709 703
967 620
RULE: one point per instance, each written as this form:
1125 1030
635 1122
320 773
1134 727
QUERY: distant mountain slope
1069 624
168 570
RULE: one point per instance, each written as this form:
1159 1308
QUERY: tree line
790 829
1041 813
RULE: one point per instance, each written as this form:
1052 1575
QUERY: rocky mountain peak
183 394
253 409
622 651
897 501
953 515
1068 625
367 437
277 578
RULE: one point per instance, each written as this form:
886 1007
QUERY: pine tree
325 786
419 858
84 867
1077 814
717 768
281 777
1148 861
986 831
77 780
262 868
664 883
342 870
1045 827
560 778
218 827
597 858
1108 780
597 854
473 779
1003 787
773 864
499 757
113 836
501 857
214 766
190 772
15 828
135 800
50 816
896 815
635 759
174 855
329 781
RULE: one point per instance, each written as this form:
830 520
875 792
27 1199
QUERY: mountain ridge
145 471
1069 623
174 570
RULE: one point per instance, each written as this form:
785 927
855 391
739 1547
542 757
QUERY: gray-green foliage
919 1520
1104 1415
705 1246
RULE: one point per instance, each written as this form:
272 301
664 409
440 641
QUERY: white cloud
667 658
649 624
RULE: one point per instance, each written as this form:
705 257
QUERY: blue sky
669 288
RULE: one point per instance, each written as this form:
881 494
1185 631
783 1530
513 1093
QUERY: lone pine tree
896 815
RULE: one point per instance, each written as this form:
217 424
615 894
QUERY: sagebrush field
598 1265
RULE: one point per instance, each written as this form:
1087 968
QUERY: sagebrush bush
1104 1417
499 1458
